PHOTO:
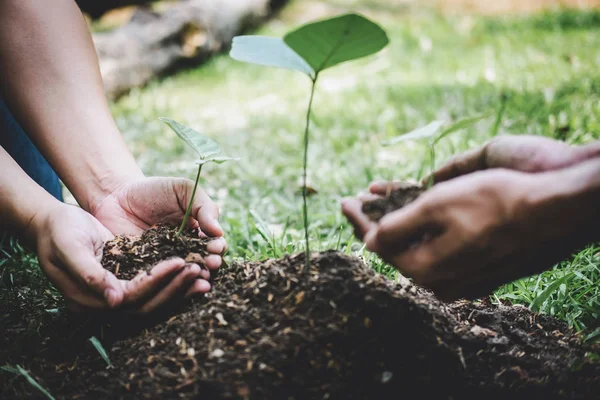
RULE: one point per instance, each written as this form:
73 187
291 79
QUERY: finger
462 164
206 213
174 289
78 298
198 287
82 264
436 261
365 197
205 274
402 228
145 285
383 188
352 209
217 246
213 261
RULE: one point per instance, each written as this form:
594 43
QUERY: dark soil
399 197
339 331
127 256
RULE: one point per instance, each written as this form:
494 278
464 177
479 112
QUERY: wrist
33 226
103 184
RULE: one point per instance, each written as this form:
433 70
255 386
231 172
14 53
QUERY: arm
69 243
487 228
53 86
28 210
52 83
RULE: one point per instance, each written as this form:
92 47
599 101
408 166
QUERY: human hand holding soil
69 244
466 236
141 203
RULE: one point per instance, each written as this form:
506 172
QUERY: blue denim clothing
18 145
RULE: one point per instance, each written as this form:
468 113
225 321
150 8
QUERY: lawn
436 67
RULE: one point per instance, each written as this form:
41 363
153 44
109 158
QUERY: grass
436 67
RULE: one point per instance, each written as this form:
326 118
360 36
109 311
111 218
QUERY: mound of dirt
270 330
338 331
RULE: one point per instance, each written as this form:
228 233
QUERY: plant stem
431 164
305 164
189 207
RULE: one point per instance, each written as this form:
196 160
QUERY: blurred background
447 60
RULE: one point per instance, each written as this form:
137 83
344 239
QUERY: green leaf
100 349
461 124
593 337
204 146
425 132
326 43
536 304
268 51
20 371
216 160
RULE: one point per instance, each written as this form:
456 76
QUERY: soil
403 194
127 256
267 330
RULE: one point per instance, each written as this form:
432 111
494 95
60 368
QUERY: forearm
571 197
21 199
53 85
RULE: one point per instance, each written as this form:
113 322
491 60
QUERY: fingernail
112 298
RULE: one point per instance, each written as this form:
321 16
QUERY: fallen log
154 44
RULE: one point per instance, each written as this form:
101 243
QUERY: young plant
432 134
311 49
208 151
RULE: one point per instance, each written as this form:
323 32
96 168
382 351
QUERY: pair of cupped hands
494 214
481 230
69 242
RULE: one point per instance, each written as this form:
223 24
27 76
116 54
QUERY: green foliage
269 52
324 44
20 371
100 349
433 133
208 151
311 49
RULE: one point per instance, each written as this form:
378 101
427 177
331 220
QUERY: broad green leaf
216 160
425 132
326 43
20 371
100 349
461 124
204 146
268 51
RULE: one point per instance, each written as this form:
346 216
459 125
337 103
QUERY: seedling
432 134
21 371
208 151
311 49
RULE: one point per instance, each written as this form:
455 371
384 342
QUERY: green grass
435 68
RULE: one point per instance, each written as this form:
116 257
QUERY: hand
69 244
467 236
138 204
518 153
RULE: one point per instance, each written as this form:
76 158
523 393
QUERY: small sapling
432 133
208 151
311 49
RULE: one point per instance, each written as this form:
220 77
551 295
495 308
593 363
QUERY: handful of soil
127 256
397 198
